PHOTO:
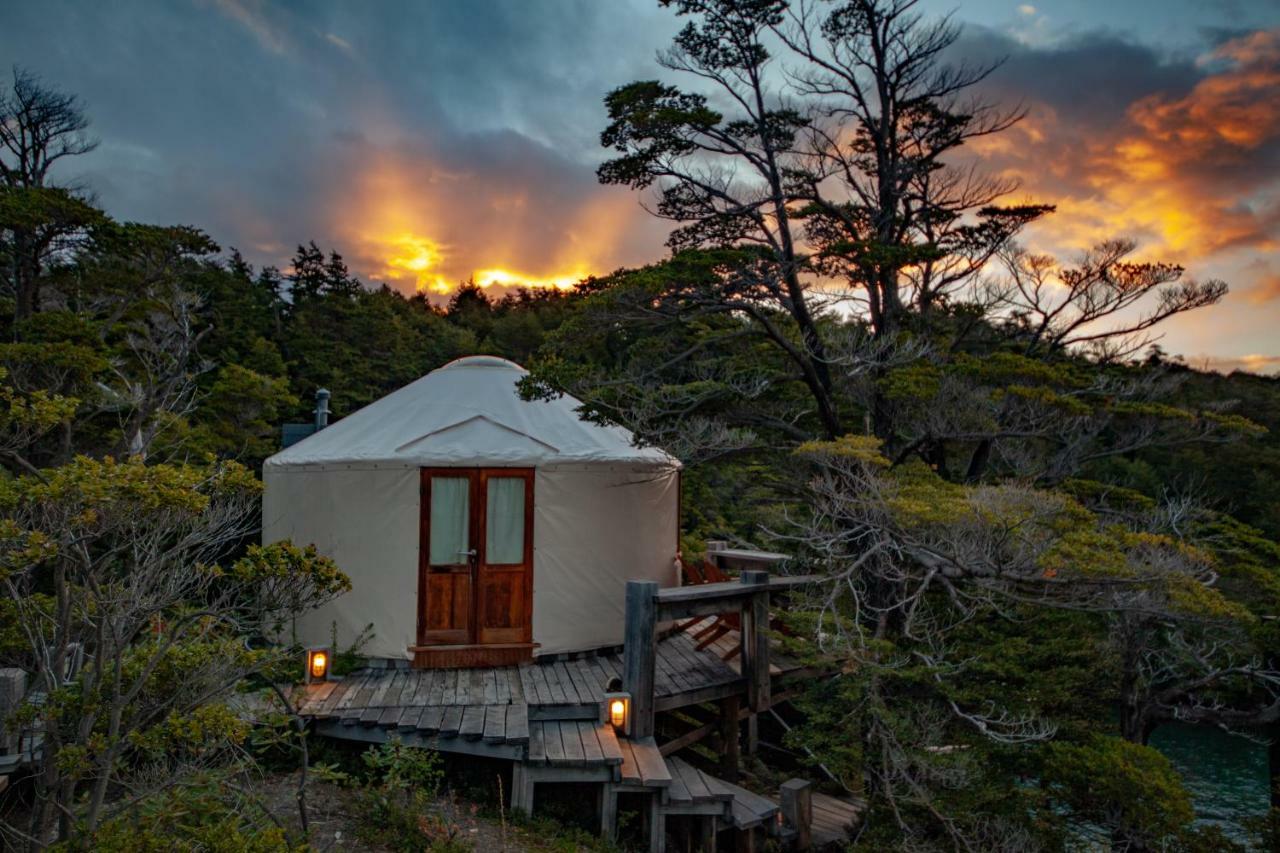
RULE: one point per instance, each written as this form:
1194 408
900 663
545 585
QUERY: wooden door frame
472 653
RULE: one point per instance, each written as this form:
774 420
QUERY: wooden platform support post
796 802
657 825
729 758
13 686
640 653
710 826
609 812
521 789
755 641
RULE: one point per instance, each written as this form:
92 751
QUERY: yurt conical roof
468 412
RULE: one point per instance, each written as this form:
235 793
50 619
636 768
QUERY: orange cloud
1189 175
410 220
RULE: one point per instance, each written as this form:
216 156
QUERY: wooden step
749 809
643 764
695 783
573 743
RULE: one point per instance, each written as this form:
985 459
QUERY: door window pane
450 513
504 521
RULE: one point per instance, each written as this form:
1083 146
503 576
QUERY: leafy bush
401 809
200 818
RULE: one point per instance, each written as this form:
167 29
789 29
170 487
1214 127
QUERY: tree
118 564
837 171
39 126
692 152
986 389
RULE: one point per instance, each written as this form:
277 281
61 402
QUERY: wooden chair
723 623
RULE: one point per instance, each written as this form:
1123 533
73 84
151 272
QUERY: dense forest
1042 536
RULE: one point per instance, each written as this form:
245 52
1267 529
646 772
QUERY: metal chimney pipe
322 409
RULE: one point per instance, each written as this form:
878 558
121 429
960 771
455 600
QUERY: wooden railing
648 604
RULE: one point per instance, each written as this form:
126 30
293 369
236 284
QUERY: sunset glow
414 259
417 260
487 278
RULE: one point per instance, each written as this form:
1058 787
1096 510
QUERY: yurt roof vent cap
491 361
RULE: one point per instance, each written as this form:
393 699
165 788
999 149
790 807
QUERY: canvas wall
594 527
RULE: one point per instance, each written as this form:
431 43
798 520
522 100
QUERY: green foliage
241 414
402 769
349 658
197 818
1130 790
400 805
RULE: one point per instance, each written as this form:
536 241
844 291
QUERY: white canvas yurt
477 528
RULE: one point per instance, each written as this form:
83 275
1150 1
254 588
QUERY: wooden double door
475 574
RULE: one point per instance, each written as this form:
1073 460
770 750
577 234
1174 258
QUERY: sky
439 140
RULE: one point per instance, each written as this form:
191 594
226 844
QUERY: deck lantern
317 665
617 711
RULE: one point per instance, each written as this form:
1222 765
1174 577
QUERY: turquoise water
1226 775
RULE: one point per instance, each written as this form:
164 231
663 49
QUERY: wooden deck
497 705
544 716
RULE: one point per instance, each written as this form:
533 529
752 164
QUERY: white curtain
504 521
450 516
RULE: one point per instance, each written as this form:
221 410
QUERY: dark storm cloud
462 136
263 123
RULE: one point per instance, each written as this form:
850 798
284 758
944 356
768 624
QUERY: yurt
478 528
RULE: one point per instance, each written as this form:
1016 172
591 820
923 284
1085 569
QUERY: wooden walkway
832 817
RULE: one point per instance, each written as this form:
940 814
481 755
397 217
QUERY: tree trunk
26 276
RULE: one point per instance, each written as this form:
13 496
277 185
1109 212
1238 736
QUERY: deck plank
592 752
592 678
609 743
472 727
652 766
678 792
599 673
574 754
495 723
421 687
436 694
449 688
553 743
544 686
408 720
315 696
529 684
629 772
451 720
430 718
554 688
537 751
565 678
491 687
517 723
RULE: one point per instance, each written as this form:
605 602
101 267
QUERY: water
1225 775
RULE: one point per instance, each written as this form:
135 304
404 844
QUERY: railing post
797 810
639 653
755 641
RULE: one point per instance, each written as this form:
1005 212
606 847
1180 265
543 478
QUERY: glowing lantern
617 711
317 665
